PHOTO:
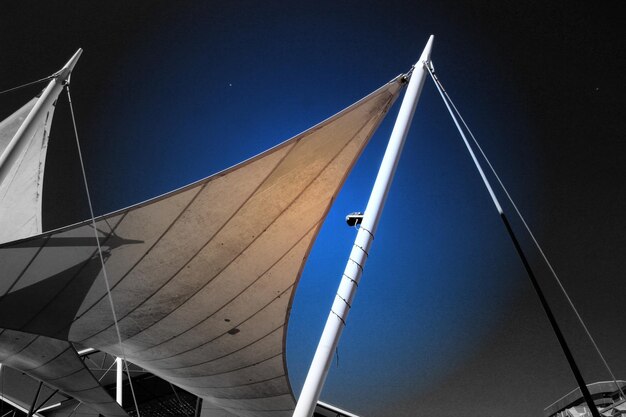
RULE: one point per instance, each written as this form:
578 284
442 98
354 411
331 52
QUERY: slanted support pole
118 379
352 275
520 252
555 326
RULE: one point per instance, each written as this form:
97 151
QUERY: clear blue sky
444 322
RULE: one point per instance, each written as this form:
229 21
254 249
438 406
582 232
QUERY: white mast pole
29 126
118 381
347 288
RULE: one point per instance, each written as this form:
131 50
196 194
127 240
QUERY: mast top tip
73 60
425 57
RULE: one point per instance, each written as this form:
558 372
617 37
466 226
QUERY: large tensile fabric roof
202 278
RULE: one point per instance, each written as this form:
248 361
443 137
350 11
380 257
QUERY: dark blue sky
444 322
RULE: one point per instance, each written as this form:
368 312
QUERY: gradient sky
445 322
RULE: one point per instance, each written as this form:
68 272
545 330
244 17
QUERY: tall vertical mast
358 256
31 123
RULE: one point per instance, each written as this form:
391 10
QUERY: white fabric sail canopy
202 278
21 187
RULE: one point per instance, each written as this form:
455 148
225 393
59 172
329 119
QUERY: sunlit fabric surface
202 278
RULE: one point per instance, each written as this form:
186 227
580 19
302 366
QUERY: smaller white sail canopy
23 145
202 278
